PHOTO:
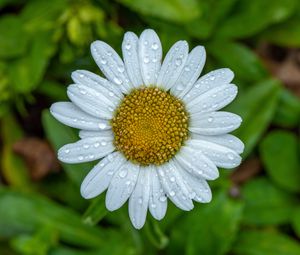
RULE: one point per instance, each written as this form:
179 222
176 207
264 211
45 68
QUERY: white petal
158 202
139 199
196 163
121 185
86 150
209 81
98 83
174 186
91 101
190 73
105 133
173 65
213 99
198 187
100 176
227 140
214 123
131 58
71 115
150 54
111 65
220 155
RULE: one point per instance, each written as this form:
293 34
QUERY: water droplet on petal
80 158
96 145
230 155
103 143
162 198
154 46
172 193
123 173
210 119
117 81
67 151
127 46
102 125
178 62
146 60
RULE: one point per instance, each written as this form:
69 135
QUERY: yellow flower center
150 125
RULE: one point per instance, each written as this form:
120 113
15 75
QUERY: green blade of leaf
280 155
256 106
253 16
253 242
26 213
265 204
59 135
179 11
244 63
96 211
215 224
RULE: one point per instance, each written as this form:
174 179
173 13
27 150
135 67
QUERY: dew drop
123 173
111 94
103 143
146 60
102 125
230 155
96 145
117 81
210 119
140 201
154 46
172 193
127 46
67 151
153 205
80 158
162 199
83 92
178 62
172 179
86 146
187 69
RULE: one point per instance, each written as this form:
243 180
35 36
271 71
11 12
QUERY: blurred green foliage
41 42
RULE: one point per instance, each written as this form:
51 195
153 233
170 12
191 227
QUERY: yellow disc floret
150 125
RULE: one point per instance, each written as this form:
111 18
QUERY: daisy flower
156 126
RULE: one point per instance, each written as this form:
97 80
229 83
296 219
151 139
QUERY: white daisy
156 127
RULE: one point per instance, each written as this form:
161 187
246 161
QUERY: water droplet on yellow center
150 125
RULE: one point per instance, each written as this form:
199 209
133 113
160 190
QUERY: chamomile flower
155 126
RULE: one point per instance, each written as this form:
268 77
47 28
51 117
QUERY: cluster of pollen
150 126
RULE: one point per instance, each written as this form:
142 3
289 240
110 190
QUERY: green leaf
42 15
53 90
59 135
27 72
37 244
212 12
179 11
96 211
280 155
285 34
296 221
209 228
11 31
288 110
253 16
256 118
13 167
265 243
244 63
27 213
265 204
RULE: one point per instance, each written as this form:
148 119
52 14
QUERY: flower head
156 127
